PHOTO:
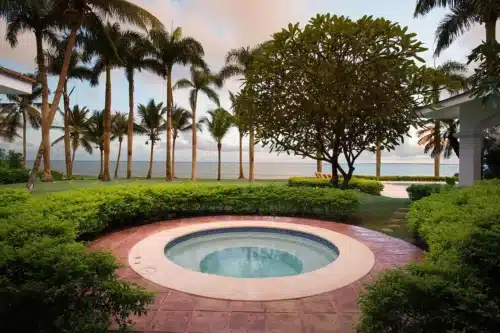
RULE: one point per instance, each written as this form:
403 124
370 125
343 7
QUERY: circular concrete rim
148 259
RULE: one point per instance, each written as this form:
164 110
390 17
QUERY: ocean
208 170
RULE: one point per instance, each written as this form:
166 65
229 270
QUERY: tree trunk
173 155
437 147
130 132
347 178
150 170
195 141
170 105
335 172
242 175
24 138
319 166
55 102
378 160
490 26
219 149
102 162
107 125
42 70
251 153
73 159
67 144
118 158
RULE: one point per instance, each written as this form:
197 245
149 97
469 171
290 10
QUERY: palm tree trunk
150 170
118 158
437 147
195 141
73 159
102 163
55 102
24 138
107 125
242 176
130 132
219 149
47 176
67 144
170 105
251 153
378 160
490 26
173 155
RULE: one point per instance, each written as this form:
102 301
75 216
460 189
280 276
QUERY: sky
221 25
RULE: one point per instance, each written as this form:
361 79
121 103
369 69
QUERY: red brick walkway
332 312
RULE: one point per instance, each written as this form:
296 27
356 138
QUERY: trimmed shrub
406 178
457 289
70 289
419 191
13 176
56 175
362 185
93 210
450 181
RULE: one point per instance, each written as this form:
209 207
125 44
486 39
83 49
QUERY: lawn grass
374 212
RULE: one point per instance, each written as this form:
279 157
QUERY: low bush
56 175
457 289
362 185
419 191
13 176
406 178
70 289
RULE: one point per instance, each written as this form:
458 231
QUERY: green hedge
457 289
362 185
419 191
406 178
13 176
70 289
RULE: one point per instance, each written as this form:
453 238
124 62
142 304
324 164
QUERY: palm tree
218 125
238 62
100 44
96 133
378 154
119 128
40 17
75 71
464 14
455 80
446 131
173 49
152 124
78 126
241 124
201 80
181 122
135 51
17 113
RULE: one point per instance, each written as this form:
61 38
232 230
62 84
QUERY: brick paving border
333 312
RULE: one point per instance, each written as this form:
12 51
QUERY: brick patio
332 312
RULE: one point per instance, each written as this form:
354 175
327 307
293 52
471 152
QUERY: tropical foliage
79 133
152 125
119 129
181 122
174 49
240 123
18 113
218 123
204 81
306 119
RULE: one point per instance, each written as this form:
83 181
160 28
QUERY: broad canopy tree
337 87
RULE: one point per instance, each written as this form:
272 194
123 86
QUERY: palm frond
425 6
454 24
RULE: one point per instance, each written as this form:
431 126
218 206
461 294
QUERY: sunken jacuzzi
251 260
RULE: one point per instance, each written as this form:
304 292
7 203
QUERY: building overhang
15 83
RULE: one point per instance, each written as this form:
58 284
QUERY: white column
471 146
